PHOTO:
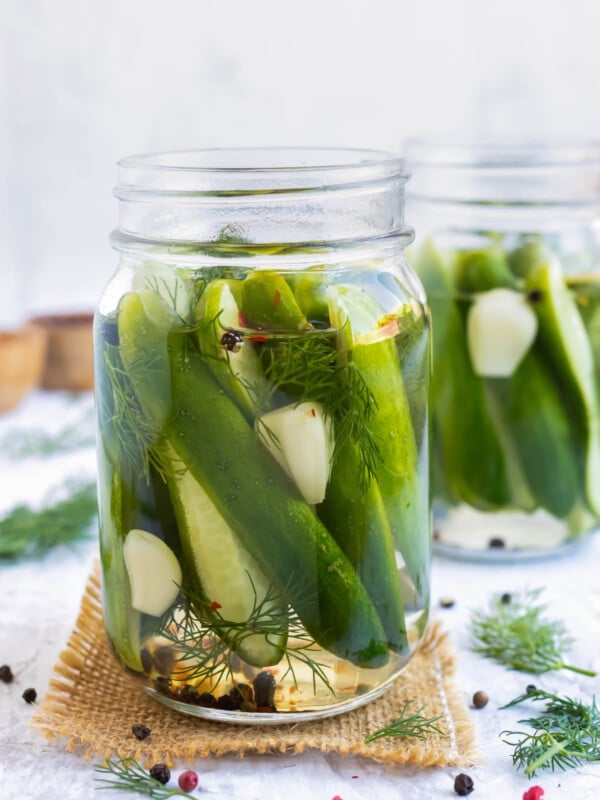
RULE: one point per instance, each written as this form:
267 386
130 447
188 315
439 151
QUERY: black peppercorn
147 660
232 340
6 674
535 296
162 685
163 659
140 731
29 695
506 598
480 699
447 602
264 689
463 784
207 700
531 687
161 773
496 543
227 703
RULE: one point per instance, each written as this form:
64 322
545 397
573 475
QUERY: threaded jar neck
508 185
261 196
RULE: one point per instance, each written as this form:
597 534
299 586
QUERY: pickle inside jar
267 585
533 440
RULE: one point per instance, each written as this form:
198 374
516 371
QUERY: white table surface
39 601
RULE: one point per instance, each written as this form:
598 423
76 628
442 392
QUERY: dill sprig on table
127 774
25 532
415 725
566 734
516 633
22 443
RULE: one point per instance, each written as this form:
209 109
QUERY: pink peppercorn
188 780
534 793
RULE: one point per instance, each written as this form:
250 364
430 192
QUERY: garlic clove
501 327
301 441
154 572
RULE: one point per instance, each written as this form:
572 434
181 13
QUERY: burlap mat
92 703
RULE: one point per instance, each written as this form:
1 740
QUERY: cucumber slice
300 437
563 336
227 573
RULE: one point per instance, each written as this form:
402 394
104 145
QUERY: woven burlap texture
92 705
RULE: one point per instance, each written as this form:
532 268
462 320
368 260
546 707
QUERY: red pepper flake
534 793
214 606
354 777
257 338
242 322
313 413
277 299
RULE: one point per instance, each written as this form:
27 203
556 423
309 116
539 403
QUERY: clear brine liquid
156 478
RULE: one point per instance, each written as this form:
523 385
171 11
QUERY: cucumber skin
580 391
468 468
358 522
269 302
274 523
541 434
404 492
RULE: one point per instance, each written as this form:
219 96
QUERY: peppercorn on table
41 597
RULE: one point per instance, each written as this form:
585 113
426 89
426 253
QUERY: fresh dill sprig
137 436
566 734
415 725
204 641
127 774
25 532
24 443
181 294
306 368
517 634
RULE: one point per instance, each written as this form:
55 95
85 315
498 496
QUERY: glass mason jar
509 252
262 365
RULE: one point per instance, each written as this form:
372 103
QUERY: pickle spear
366 340
255 497
563 337
215 559
473 465
540 434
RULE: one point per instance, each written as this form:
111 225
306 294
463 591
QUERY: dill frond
566 734
518 635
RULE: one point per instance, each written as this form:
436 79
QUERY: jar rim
215 171
502 154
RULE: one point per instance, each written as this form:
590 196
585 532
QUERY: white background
83 83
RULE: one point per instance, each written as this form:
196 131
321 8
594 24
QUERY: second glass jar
262 379
508 249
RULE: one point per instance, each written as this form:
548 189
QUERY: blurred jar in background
508 248
22 346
